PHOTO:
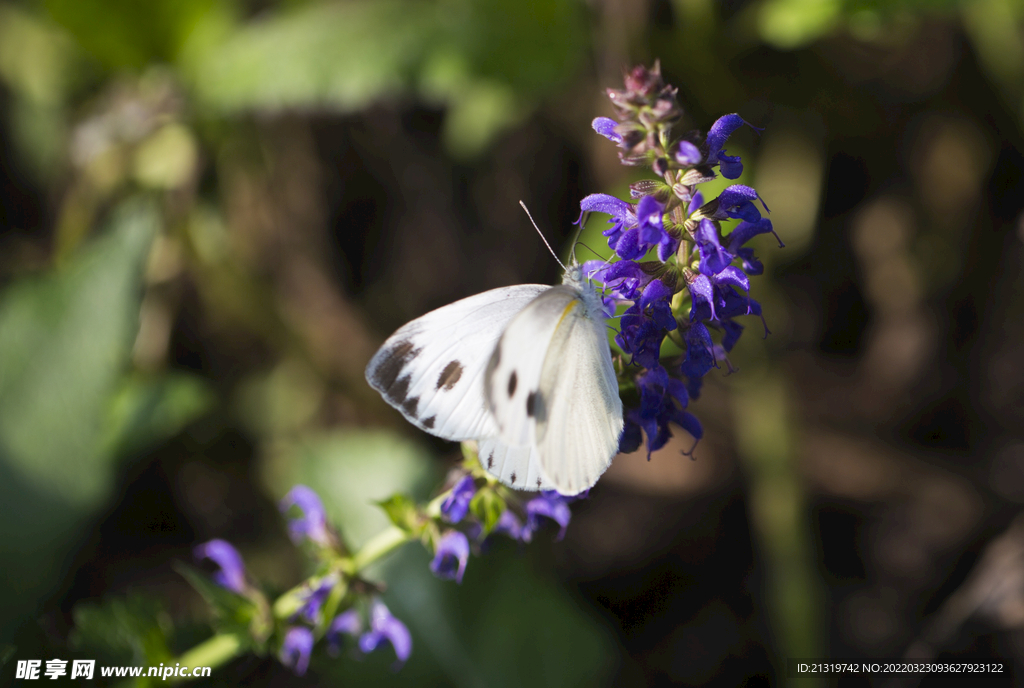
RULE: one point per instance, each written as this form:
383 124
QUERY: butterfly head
574 274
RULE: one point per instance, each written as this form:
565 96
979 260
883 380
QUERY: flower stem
213 652
380 545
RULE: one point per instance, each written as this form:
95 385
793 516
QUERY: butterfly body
524 370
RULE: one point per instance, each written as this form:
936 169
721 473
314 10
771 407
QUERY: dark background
212 212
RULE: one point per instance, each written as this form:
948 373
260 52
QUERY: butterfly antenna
541 234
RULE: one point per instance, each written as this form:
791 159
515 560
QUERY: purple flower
315 597
455 507
605 126
631 437
384 627
550 505
621 212
346 623
737 202
651 229
508 523
744 232
713 258
659 396
687 154
699 352
451 556
296 648
312 523
232 570
730 165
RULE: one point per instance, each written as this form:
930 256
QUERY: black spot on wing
490 460
535 406
409 405
429 422
513 477
398 391
512 384
386 375
449 376
539 481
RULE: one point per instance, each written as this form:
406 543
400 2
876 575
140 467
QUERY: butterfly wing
511 383
517 467
432 368
551 386
580 417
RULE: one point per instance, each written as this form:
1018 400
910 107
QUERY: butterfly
526 371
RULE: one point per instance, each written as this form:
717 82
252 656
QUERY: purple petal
730 166
603 203
687 154
296 648
734 276
451 556
455 507
605 126
702 293
631 438
655 291
312 523
695 203
232 569
745 231
629 246
548 505
346 623
649 213
315 598
713 258
699 357
720 131
383 626
509 524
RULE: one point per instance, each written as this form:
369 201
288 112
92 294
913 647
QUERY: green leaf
128 33
343 55
147 410
132 630
401 511
65 339
488 507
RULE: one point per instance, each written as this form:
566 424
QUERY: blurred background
213 211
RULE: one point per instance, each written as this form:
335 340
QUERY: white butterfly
524 370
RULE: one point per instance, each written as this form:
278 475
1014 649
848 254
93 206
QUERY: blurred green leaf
132 630
488 507
401 511
352 470
145 411
130 34
341 55
487 61
64 343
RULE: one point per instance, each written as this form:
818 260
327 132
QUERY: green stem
213 652
375 549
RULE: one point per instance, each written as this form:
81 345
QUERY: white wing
517 467
432 368
551 386
580 418
511 383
